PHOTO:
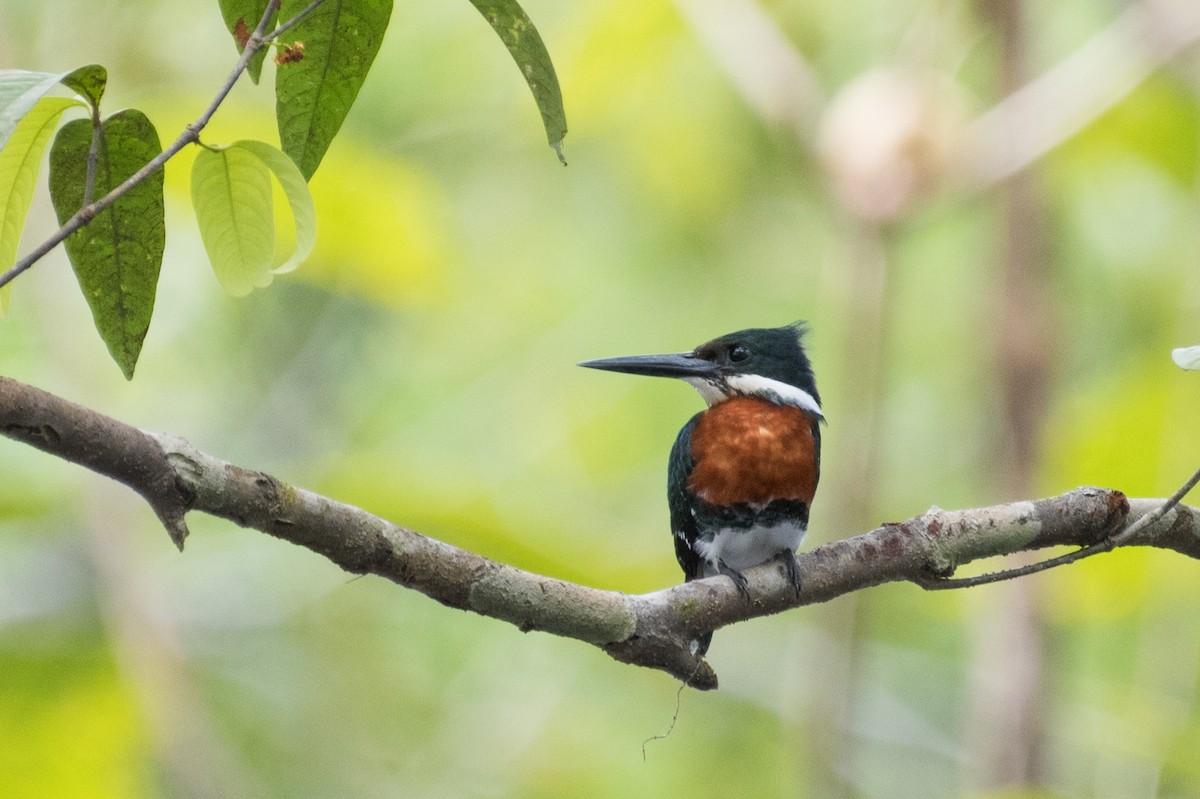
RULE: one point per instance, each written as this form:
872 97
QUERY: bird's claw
791 568
739 580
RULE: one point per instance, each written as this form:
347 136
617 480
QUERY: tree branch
654 630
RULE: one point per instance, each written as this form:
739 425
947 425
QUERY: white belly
741 548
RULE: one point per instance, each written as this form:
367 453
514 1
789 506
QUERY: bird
742 473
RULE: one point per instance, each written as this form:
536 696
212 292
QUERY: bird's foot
791 567
739 581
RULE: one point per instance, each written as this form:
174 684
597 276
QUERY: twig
1150 518
293 22
1106 544
662 736
190 135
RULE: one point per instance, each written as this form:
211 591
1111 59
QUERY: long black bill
683 364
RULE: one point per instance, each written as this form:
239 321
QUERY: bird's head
762 362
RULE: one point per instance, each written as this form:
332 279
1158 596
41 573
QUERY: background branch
653 630
1060 102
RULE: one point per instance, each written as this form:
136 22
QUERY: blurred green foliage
421 365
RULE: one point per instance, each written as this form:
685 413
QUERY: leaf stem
93 156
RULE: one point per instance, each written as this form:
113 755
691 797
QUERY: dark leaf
313 95
118 256
525 45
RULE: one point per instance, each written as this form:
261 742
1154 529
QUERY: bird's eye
738 353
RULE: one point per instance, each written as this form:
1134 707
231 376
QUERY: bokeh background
988 212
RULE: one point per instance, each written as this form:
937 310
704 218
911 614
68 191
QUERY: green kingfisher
743 472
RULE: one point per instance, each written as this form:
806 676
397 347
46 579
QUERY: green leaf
295 188
118 256
1187 358
231 193
524 43
20 160
88 82
20 91
241 18
314 94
